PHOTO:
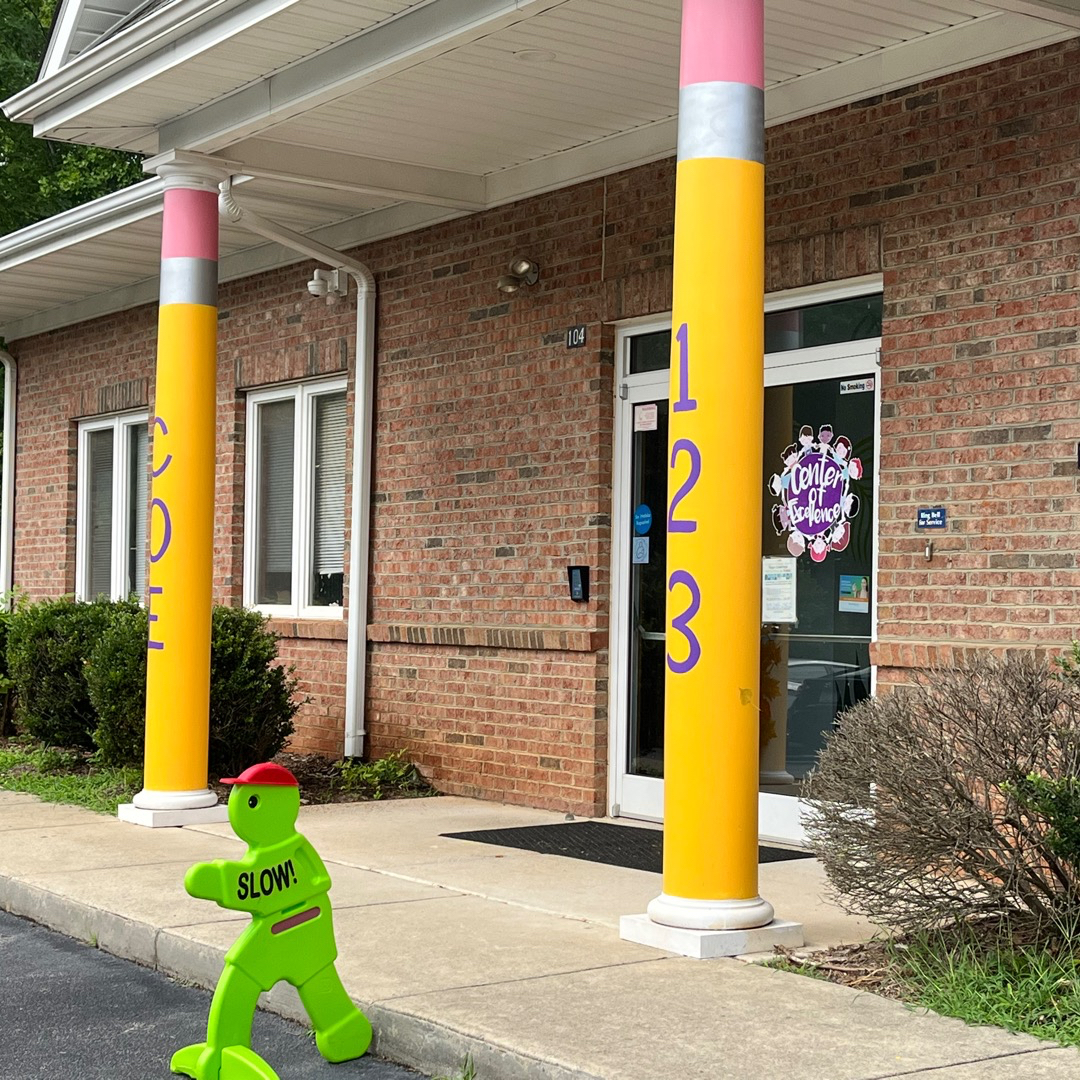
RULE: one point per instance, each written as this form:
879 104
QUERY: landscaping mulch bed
862 967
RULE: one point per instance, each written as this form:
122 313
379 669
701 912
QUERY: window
111 524
294 561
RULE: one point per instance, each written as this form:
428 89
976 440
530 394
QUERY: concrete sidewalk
453 947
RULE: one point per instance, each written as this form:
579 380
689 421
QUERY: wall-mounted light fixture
522 272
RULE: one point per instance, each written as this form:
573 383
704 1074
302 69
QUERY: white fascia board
417 35
60 41
979 41
124 207
1063 12
161 41
350 172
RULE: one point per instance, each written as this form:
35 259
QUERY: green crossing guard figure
284 884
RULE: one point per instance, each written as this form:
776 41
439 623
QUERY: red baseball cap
267 773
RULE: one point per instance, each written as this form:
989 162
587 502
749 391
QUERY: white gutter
7 478
113 211
359 546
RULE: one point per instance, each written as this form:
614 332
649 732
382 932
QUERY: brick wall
970 182
493 441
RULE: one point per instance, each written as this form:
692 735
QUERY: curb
401 1037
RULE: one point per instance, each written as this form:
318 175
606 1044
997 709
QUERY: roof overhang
369 118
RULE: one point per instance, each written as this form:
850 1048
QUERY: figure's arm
209 880
229 884
315 871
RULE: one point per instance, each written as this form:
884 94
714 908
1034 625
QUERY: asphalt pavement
72 1012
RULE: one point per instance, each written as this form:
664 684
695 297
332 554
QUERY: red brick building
923 283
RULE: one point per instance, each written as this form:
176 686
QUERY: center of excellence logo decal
816 503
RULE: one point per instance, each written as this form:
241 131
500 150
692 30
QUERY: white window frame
303 395
120 424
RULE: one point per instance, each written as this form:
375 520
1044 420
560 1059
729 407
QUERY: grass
1009 976
1033 988
467 1071
66 776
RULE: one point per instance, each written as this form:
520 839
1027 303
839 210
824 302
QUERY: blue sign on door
642 520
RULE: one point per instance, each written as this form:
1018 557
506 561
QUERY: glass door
818 545
818 556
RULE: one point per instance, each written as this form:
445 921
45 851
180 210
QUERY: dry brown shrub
911 806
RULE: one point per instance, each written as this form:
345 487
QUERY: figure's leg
342 1031
231 1014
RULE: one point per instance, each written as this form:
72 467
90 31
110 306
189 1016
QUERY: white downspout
7 501
359 545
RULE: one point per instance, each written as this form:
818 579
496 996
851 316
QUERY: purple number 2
684 525
682 622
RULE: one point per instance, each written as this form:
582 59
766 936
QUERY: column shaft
715 478
182 503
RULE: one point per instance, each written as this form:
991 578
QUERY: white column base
686 914
705 944
193 799
169 809
160 819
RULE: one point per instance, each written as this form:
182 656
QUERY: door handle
651 635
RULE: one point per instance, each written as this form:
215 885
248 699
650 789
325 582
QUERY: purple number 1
685 403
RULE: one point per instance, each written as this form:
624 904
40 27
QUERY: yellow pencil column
710 904
175 790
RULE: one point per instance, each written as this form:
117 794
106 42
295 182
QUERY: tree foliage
39 178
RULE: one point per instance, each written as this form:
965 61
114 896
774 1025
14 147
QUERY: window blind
99 511
328 522
136 511
273 562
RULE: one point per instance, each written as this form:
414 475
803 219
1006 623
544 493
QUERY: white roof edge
60 39
101 61
81 222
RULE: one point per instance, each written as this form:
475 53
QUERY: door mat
599 842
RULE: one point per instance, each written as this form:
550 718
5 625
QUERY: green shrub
10 604
48 644
90 663
374 779
1056 801
252 698
116 681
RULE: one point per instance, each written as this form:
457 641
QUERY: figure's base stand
705 944
237 1063
159 819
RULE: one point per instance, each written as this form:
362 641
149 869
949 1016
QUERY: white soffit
446 106
117 91
104 257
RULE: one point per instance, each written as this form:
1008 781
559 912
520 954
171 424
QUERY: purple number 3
682 622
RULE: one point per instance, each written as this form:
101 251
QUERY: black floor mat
600 842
